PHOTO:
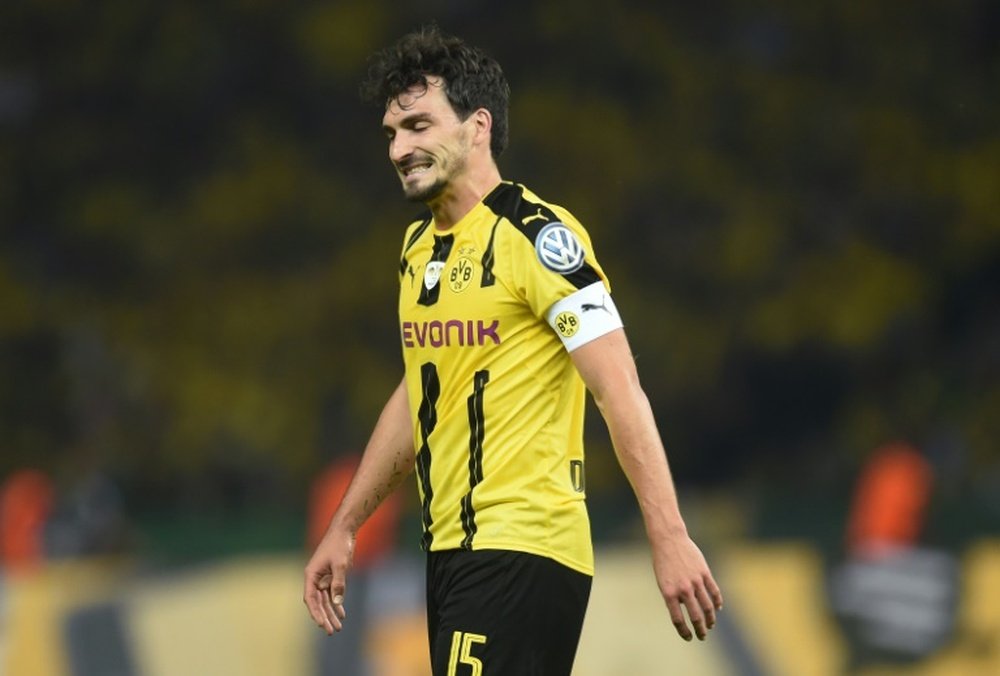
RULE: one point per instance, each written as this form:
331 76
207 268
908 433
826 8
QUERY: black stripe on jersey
505 199
427 416
489 279
410 242
477 430
442 247
508 201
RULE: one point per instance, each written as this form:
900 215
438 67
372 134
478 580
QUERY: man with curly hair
506 320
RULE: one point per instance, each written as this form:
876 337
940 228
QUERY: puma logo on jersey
536 216
412 275
587 307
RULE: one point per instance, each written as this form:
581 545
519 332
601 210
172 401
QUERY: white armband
584 315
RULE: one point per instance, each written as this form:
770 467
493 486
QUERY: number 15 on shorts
461 653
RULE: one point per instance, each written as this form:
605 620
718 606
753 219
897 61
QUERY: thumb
336 583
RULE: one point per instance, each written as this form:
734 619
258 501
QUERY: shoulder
527 213
542 238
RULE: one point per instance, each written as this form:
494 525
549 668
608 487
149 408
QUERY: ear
483 126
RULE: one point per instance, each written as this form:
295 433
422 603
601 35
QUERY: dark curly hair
472 79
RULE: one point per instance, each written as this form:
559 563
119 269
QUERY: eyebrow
409 121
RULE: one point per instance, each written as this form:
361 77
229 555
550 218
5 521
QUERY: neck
462 195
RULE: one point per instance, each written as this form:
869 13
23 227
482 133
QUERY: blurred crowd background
798 204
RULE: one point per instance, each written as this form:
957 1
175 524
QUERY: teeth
419 169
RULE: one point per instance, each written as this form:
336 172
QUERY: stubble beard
448 171
427 194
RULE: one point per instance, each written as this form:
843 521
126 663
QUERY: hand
685 579
326 580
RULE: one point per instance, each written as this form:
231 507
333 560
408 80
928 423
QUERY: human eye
420 124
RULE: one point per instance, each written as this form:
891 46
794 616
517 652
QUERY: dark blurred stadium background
798 204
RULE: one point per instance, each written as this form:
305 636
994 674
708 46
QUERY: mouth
414 169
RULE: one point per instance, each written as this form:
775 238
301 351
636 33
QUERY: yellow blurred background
244 617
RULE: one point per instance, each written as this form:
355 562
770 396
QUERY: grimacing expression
428 143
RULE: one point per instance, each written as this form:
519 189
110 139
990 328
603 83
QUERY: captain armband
583 316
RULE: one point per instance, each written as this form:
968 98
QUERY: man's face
428 144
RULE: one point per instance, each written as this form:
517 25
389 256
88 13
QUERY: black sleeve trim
507 201
413 240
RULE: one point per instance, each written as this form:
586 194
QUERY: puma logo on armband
587 307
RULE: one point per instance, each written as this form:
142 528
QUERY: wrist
670 525
343 525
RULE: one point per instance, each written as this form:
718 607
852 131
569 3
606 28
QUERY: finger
330 613
338 607
316 589
687 598
695 614
714 590
677 618
335 607
707 609
314 601
311 599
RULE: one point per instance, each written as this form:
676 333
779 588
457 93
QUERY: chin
425 194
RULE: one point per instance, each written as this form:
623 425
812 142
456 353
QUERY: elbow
624 388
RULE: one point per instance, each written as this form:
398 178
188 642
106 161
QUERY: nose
399 148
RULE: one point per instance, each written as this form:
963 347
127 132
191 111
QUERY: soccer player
506 319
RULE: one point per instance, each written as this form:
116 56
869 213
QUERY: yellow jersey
496 403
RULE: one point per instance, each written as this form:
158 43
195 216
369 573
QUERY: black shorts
503 613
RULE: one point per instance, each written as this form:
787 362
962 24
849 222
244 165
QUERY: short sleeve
552 260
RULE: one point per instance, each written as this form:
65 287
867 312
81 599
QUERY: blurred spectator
25 505
890 502
895 598
88 520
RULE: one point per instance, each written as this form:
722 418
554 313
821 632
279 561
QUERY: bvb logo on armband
567 324
461 274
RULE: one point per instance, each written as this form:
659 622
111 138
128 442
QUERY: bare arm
682 573
387 460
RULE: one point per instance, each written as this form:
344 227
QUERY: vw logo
559 249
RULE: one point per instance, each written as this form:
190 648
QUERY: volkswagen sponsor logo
559 249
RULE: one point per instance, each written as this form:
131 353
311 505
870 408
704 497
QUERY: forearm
640 452
682 573
387 460
607 367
